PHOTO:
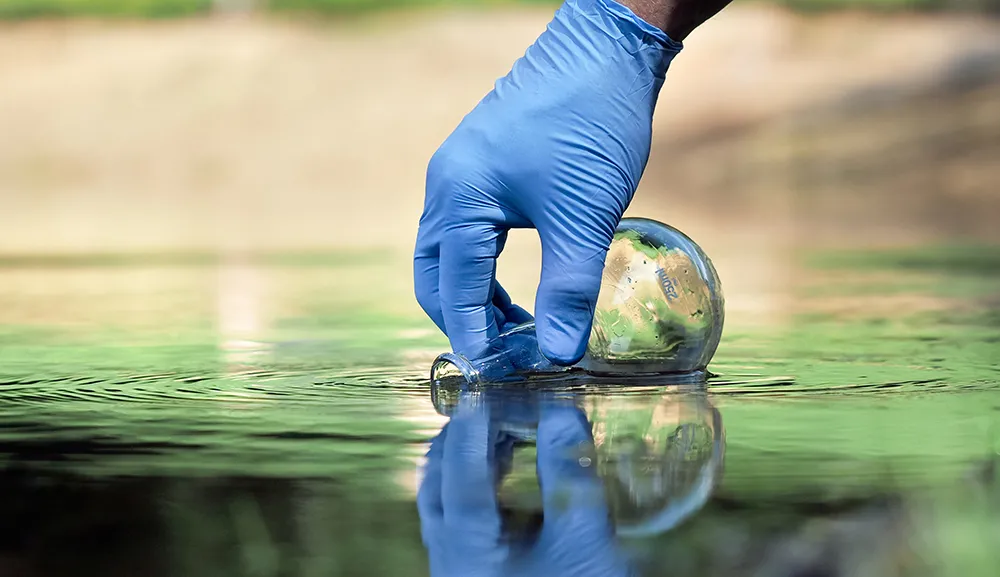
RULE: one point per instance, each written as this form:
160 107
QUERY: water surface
186 415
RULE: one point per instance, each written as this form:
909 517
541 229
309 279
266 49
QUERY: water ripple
180 388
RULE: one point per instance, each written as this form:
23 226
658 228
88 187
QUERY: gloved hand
460 521
559 145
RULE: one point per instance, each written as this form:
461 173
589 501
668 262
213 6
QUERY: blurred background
243 126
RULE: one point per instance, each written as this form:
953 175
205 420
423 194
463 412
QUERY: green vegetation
947 259
173 8
188 259
890 5
133 8
20 9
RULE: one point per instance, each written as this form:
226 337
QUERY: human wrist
658 13
647 17
676 18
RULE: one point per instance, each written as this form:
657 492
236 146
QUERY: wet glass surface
273 416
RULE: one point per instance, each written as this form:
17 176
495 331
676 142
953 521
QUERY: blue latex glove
559 145
460 521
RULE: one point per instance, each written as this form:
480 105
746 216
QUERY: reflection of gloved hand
559 145
460 520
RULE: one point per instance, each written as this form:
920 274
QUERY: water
188 416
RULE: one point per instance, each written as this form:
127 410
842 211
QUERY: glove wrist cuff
638 37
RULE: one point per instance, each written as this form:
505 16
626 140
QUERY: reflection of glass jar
658 449
660 310
659 456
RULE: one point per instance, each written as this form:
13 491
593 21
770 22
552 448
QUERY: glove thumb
572 265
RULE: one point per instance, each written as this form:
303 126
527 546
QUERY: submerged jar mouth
450 366
514 354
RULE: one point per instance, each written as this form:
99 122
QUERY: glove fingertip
562 343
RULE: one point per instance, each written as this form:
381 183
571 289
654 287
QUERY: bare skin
677 18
